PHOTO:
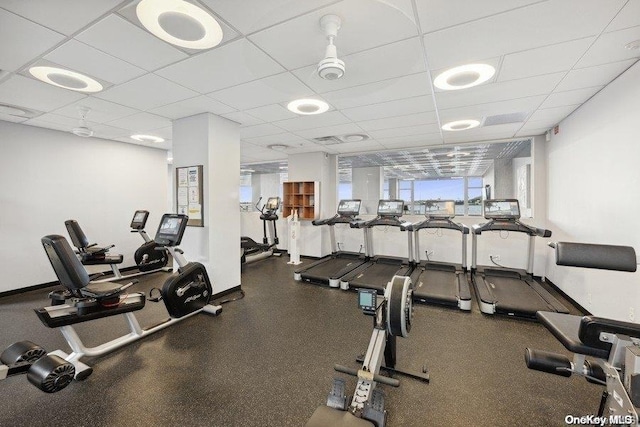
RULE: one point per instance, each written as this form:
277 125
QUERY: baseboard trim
227 292
580 308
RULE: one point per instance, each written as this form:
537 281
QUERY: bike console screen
349 207
139 220
171 229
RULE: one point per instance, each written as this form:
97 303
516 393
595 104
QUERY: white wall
593 186
49 176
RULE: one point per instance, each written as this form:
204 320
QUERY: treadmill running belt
378 275
323 272
437 286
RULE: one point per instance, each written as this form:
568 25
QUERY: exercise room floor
268 359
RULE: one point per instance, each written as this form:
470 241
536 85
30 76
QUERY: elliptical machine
185 293
253 251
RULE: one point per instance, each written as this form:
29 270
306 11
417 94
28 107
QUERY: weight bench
615 345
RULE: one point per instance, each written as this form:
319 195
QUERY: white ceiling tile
385 62
437 14
243 118
271 113
599 75
67 122
432 128
101 111
543 60
399 121
22 40
229 65
353 147
386 90
629 16
301 42
502 91
166 132
65 17
539 124
141 122
146 92
532 132
610 47
30 93
311 122
85 59
517 32
309 148
269 90
13 119
483 133
400 107
110 132
570 97
157 145
555 114
249 16
336 130
261 154
519 105
411 141
259 130
280 138
120 38
191 107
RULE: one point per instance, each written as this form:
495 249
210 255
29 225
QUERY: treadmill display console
171 229
367 299
139 220
440 209
390 207
273 203
502 209
349 207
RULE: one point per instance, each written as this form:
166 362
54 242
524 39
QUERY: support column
214 142
367 186
265 185
322 167
393 187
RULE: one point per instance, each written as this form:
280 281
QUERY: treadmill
440 283
379 270
331 268
510 291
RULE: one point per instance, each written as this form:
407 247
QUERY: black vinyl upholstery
71 274
604 257
78 237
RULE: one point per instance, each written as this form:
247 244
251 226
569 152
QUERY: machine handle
544 361
377 378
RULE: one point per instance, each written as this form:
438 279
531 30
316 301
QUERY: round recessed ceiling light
464 76
147 138
634 45
458 153
308 106
457 163
12 111
355 137
180 23
461 125
66 79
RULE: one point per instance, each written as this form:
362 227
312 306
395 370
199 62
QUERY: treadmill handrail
438 223
392 221
336 219
510 225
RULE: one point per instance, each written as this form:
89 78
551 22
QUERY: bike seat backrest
70 271
592 327
78 237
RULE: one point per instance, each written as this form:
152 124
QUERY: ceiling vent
327 140
503 119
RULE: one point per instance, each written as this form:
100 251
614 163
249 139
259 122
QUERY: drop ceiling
550 56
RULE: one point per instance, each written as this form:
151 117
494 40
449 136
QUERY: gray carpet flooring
268 359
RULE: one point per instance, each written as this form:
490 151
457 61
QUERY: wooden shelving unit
302 196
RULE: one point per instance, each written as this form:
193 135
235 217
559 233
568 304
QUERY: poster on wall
189 194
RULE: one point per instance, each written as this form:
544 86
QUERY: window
474 196
344 190
467 193
246 193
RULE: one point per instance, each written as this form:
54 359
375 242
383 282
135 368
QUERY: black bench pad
566 328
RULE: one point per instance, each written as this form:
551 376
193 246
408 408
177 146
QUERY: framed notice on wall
189 194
